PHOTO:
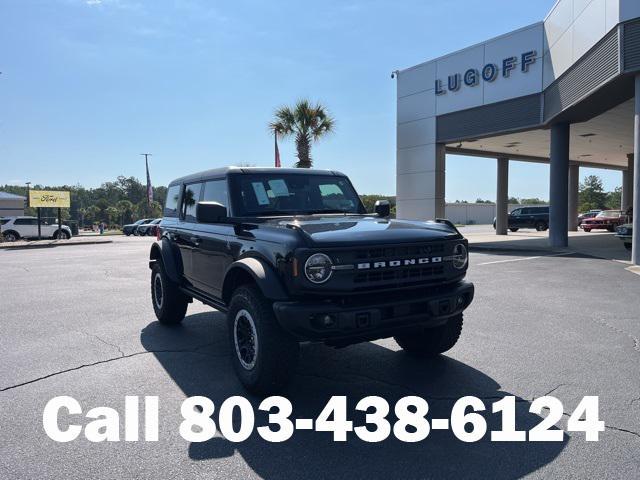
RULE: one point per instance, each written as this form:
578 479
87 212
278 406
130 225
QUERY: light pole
28 190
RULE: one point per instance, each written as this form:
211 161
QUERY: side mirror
210 212
382 208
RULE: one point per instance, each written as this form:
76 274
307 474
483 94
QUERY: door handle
195 240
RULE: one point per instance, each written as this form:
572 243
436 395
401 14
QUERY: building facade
564 91
11 205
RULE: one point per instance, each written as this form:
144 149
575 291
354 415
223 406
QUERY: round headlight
317 268
460 256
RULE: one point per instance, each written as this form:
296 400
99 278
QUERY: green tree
93 213
369 201
307 123
614 199
592 194
113 215
533 201
156 209
126 211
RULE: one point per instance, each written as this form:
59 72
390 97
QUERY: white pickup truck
15 228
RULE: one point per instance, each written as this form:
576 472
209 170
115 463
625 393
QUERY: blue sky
88 85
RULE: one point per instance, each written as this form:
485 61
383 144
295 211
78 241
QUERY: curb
51 245
491 248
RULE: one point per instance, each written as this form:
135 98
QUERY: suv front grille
399 275
397 252
381 273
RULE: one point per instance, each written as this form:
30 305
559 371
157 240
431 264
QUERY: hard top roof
221 172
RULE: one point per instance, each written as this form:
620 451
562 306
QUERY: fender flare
171 260
262 274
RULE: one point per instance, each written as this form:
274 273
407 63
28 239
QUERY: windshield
609 213
293 194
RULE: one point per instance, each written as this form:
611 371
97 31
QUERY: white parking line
525 258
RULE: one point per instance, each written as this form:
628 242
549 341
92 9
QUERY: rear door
212 256
528 218
185 235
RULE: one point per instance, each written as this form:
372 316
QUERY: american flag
149 187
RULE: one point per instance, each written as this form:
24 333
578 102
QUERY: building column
502 197
574 186
635 242
627 183
559 185
441 160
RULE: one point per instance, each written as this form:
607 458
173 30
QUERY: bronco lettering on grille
398 263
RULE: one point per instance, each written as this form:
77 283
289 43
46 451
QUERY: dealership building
564 91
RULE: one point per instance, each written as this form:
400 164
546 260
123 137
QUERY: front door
515 218
27 227
213 253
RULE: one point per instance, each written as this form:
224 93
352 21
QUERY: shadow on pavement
357 371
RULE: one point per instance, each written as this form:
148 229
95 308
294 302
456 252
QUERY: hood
337 230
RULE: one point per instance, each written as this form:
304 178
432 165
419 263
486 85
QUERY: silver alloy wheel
10 237
245 338
158 292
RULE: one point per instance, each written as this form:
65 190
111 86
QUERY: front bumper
307 320
597 226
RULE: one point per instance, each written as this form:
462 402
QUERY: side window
171 203
216 191
22 221
525 211
190 198
333 197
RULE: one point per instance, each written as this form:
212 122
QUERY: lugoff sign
46 198
488 73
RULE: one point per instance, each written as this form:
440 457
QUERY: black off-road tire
514 229
430 342
541 226
11 236
61 235
264 356
169 303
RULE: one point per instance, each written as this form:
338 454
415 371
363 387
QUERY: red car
605 220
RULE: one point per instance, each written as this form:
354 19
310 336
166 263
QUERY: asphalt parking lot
78 321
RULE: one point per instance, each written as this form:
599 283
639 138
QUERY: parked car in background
148 228
625 233
528 217
605 220
15 228
590 214
132 228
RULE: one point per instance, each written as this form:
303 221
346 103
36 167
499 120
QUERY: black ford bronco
291 255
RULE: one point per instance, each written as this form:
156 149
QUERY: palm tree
307 123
